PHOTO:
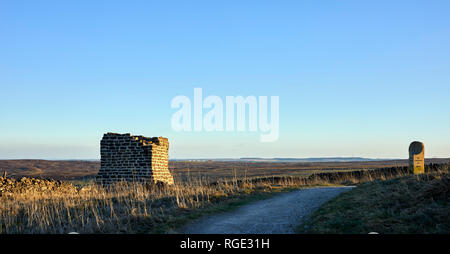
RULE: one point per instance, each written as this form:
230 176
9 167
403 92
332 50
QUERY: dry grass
138 208
411 204
124 208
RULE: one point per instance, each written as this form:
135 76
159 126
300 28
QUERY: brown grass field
140 208
200 188
182 170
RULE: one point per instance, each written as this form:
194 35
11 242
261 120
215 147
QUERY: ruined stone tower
134 158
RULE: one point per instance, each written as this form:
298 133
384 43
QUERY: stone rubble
27 185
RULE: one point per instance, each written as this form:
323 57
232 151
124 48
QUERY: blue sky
355 78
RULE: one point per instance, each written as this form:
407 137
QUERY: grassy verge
408 204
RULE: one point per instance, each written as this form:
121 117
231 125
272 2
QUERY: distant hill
56 169
316 159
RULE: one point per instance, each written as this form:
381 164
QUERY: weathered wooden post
417 157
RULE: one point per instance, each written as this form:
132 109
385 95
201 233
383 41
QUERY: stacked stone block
417 157
134 158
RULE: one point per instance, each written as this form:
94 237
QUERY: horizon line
241 158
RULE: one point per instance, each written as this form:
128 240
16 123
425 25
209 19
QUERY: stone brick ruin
134 158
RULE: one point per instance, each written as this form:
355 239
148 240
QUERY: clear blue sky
355 78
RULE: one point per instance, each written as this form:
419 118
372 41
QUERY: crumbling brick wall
134 158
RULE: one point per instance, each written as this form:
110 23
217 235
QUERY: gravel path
278 215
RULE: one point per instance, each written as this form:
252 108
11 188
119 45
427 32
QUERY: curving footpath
278 215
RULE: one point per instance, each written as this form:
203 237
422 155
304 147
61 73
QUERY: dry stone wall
26 185
134 158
